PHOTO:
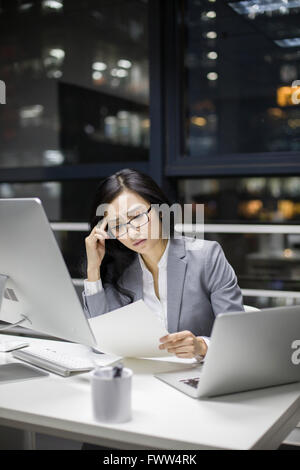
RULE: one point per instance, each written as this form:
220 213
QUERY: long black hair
117 256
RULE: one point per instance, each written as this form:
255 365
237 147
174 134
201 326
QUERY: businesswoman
184 284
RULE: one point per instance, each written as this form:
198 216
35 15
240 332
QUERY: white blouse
156 305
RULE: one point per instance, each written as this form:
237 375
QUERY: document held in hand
130 331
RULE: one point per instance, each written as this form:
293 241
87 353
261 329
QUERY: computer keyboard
54 361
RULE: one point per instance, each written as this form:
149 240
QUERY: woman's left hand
184 344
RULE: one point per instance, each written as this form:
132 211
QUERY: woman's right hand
95 250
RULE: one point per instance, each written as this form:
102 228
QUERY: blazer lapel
176 269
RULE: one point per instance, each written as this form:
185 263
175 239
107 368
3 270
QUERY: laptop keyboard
192 382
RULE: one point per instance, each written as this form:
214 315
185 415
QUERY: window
273 200
256 221
63 201
238 105
76 75
240 68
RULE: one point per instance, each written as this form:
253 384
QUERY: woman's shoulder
198 248
202 255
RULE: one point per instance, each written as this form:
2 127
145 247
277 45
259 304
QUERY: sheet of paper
130 331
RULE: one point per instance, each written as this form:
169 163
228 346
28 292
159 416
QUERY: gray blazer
200 284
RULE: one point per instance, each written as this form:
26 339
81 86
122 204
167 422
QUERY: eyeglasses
138 221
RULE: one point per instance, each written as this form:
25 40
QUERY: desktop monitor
36 285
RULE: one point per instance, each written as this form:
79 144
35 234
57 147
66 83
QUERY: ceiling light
28 112
211 35
97 75
124 63
99 66
57 53
211 14
121 73
53 4
53 157
212 76
212 55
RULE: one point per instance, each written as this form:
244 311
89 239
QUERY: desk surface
163 417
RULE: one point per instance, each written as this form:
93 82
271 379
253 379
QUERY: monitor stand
3 280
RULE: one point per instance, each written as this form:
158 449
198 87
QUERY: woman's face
125 208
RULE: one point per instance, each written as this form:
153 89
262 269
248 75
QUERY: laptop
247 351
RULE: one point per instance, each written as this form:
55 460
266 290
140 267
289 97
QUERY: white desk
163 418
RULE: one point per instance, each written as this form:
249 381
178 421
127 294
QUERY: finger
102 224
170 337
101 231
183 349
101 227
185 355
92 240
177 336
186 340
101 235
166 344
96 230
100 242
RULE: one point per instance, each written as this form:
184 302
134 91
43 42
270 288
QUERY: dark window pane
96 127
66 201
76 75
240 71
263 261
72 246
